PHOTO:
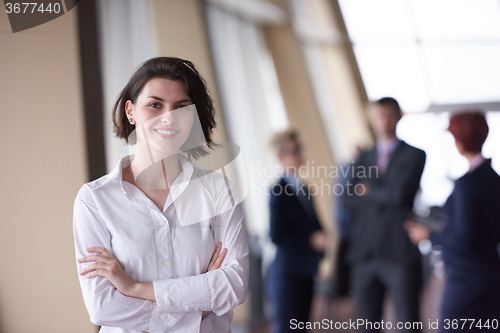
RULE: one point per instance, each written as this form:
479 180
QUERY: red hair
470 129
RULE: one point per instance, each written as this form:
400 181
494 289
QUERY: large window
427 51
435 57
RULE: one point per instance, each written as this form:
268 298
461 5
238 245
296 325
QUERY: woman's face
291 155
163 115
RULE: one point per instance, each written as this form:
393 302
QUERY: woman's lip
166 133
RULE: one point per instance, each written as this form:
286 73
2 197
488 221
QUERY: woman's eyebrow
158 98
178 102
184 100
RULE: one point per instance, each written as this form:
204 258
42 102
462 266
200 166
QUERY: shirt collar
186 173
388 146
476 161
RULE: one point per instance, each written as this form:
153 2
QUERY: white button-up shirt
172 248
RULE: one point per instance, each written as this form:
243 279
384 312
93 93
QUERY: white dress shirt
172 248
384 153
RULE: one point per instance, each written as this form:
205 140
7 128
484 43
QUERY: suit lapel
302 200
372 157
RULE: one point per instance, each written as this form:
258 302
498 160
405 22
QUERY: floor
343 310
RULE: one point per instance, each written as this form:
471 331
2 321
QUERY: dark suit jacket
291 225
379 231
469 240
472 223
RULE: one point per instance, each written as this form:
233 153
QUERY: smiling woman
165 117
187 86
148 260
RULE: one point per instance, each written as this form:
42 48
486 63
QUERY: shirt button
166 263
162 222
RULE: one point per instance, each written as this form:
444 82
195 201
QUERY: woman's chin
166 151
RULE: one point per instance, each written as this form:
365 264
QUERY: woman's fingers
94 267
217 258
215 254
103 262
221 257
100 250
97 272
94 257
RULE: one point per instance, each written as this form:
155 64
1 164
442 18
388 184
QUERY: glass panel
464 73
428 132
394 71
369 20
457 19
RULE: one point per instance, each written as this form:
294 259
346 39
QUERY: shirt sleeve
105 304
219 290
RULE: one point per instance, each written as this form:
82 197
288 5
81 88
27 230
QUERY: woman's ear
129 111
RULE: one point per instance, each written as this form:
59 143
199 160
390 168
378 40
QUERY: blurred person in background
471 233
385 181
298 236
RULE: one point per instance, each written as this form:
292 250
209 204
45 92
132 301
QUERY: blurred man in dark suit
385 182
298 236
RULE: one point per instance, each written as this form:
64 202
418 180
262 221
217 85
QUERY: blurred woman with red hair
471 234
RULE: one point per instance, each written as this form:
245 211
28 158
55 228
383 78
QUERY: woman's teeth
165 132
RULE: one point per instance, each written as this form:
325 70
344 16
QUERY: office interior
312 65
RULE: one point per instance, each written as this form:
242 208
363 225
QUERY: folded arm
105 304
394 191
218 290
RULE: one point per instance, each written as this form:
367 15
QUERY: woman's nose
168 117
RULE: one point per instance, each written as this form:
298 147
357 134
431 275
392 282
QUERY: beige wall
43 166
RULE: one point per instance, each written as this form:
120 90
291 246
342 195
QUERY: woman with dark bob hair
470 236
160 242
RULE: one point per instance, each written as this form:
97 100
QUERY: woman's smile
166 133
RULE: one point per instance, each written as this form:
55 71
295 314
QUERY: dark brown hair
389 101
469 127
175 69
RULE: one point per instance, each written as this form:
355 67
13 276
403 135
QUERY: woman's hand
318 240
217 258
417 232
215 263
107 266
